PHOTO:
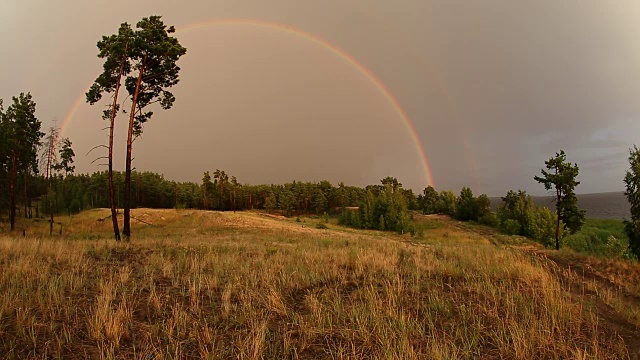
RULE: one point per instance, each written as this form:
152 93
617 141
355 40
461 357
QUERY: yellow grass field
210 285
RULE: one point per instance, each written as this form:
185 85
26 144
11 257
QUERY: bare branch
95 147
100 158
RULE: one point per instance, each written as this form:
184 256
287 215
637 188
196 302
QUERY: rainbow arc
321 43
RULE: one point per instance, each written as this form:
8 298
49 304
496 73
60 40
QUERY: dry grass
211 285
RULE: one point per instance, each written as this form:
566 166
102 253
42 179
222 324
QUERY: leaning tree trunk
127 176
114 213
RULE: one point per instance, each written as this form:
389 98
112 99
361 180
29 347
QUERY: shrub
490 219
543 226
321 225
511 227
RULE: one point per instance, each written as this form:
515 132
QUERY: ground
194 284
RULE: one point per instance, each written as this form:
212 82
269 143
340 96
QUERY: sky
491 88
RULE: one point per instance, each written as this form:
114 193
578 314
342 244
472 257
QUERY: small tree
207 188
484 206
24 135
632 184
429 200
66 158
561 178
320 202
466 206
49 160
270 202
447 203
516 208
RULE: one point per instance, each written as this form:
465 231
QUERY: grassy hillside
198 284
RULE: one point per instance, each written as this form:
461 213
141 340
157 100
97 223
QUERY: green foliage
386 210
511 227
153 54
542 226
207 190
270 203
428 201
517 215
286 202
483 206
447 203
66 158
516 206
632 184
594 235
490 219
561 178
321 225
466 206
320 202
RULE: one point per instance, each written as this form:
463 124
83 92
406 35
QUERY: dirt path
585 283
574 277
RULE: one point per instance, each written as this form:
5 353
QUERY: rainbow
316 40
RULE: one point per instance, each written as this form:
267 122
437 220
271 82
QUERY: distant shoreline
607 205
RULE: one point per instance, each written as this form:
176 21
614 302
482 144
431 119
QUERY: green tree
561 178
447 203
24 135
466 206
516 213
483 205
391 181
270 202
542 226
115 50
153 53
320 202
632 192
286 202
429 200
49 161
207 188
66 158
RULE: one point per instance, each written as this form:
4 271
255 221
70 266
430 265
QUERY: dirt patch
575 275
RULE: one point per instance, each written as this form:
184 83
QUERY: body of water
609 205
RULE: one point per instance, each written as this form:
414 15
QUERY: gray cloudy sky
492 87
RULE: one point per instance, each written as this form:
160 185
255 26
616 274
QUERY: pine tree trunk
12 191
1 168
558 196
27 194
558 232
112 200
50 208
127 177
24 200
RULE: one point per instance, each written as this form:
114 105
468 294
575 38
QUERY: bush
490 219
321 225
616 248
511 227
543 226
